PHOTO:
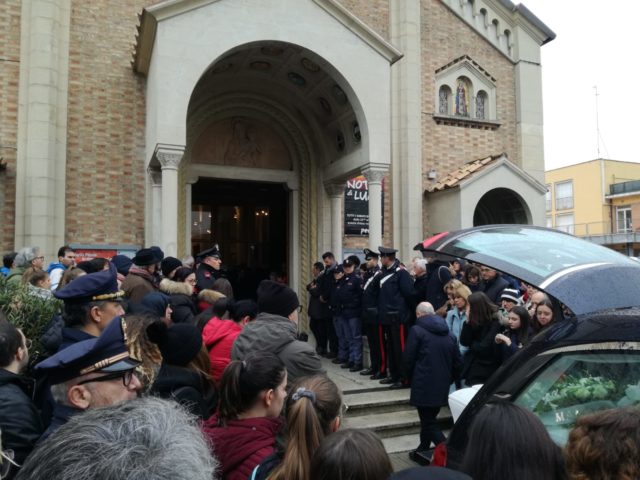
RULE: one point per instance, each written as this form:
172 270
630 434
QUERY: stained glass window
481 102
443 97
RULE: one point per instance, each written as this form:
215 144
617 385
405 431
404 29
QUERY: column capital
334 189
169 156
375 174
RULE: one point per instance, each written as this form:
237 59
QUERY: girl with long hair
243 432
478 334
312 413
518 333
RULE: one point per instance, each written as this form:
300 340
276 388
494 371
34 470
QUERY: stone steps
386 412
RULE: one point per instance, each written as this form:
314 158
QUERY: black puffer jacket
483 357
19 419
182 304
188 388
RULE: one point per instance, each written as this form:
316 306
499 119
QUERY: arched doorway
501 205
268 117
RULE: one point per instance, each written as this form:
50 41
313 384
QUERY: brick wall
375 13
106 124
444 38
9 79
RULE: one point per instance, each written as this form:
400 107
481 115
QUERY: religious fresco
241 142
463 95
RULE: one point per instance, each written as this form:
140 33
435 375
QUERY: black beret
276 298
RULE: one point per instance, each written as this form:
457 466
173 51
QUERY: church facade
184 123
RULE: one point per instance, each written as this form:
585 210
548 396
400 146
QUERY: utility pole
597 122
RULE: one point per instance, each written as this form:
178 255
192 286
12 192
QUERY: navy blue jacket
396 295
432 361
438 275
494 288
346 296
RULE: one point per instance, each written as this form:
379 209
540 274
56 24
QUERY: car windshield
540 252
577 383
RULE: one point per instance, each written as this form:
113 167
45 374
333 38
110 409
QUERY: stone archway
501 205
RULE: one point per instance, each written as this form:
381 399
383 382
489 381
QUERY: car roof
583 276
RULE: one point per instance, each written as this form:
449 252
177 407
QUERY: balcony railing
624 187
586 229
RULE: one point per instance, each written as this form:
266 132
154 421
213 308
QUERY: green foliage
27 312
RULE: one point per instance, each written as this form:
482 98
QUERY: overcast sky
596 45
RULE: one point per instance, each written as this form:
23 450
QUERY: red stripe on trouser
402 337
383 365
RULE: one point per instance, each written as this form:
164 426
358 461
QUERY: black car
586 362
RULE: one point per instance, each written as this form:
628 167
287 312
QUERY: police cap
387 252
92 287
369 254
105 354
209 252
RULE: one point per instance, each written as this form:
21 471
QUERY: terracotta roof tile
453 178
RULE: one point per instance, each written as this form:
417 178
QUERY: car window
577 383
538 251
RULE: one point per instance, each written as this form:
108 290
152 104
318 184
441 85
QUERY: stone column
336 194
189 221
155 174
42 125
406 118
374 183
169 161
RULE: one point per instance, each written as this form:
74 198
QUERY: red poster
85 254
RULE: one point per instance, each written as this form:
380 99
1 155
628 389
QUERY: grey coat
278 335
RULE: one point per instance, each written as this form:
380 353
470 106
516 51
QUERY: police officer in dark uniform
325 283
396 293
372 329
92 373
208 270
348 302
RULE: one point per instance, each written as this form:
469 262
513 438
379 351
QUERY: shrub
27 312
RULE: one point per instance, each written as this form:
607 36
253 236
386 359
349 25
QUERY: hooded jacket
241 445
278 335
218 336
183 307
19 419
432 361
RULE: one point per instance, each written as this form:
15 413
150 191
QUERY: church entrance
248 221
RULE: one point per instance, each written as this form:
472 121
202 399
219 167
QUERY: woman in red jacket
218 335
244 430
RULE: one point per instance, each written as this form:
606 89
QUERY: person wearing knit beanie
169 265
277 299
179 344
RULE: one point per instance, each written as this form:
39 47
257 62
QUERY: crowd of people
152 370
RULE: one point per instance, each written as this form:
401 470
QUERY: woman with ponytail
243 432
312 412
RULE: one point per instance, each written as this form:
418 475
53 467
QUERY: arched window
443 100
481 105
463 96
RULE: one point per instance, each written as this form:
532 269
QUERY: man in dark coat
348 294
208 270
493 284
394 300
438 275
432 361
19 419
372 329
318 311
325 282
142 278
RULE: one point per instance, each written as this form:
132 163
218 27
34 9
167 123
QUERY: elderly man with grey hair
27 257
145 439
432 362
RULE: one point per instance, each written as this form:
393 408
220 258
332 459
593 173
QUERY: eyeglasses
27 343
41 257
191 281
126 376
